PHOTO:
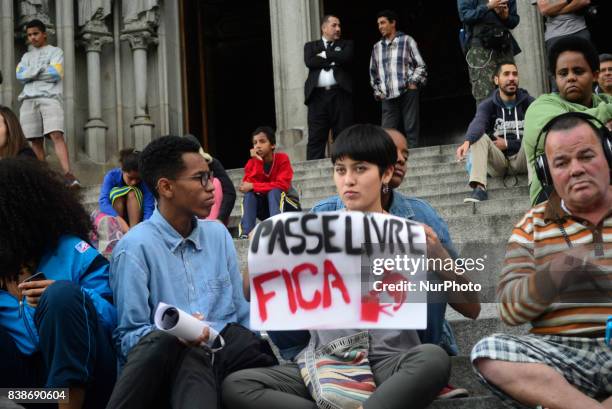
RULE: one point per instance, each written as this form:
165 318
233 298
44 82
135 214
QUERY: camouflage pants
481 65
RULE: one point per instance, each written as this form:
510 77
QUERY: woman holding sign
394 370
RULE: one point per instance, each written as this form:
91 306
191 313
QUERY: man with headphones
575 64
556 276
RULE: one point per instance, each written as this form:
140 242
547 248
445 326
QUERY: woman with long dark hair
12 140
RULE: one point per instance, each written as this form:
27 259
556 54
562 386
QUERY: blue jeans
75 350
258 206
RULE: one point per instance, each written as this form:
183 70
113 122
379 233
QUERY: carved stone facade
123 78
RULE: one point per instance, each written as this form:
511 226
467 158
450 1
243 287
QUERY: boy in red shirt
266 176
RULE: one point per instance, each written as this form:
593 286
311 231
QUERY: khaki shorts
41 116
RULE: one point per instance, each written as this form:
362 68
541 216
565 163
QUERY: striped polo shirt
582 303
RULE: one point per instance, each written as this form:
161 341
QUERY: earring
385 188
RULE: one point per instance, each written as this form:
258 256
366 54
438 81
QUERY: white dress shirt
326 77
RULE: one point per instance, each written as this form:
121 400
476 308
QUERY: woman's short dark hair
163 158
365 142
266 130
15 140
577 44
128 158
36 209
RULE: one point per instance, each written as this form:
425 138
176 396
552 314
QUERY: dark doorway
447 105
598 20
228 79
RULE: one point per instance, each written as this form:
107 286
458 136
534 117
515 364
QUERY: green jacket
540 112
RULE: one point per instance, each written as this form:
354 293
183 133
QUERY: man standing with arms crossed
41 70
328 89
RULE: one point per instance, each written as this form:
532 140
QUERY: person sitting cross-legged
56 305
438 331
267 175
495 134
176 258
407 374
556 277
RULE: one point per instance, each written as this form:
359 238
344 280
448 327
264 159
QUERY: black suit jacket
339 58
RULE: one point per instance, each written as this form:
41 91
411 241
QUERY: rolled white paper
181 324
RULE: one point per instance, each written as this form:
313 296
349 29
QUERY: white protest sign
306 272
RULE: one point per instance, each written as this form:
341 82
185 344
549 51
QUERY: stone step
413 180
315 179
418 190
488 228
468 332
435 199
423 169
433 159
489 207
478 402
415 156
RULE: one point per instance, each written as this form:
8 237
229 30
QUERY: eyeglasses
204 177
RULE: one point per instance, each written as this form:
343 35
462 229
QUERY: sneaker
451 392
478 195
243 237
71 181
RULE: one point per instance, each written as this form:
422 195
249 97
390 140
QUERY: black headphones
541 163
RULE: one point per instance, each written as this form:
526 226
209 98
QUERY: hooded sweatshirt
494 118
545 108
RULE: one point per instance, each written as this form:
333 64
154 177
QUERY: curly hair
576 44
36 209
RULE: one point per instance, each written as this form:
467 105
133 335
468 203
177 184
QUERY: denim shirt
406 207
153 263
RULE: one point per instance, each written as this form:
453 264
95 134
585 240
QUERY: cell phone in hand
35 277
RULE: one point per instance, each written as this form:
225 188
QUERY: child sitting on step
123 195
267 178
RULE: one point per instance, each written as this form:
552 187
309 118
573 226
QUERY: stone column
142 126
7 56
94 36
64 11
292 24
531 61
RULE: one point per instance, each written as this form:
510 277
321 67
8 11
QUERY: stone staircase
435 176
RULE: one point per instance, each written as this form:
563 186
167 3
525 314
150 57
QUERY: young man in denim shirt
174 258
